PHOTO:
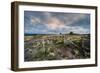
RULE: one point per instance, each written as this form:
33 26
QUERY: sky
40 22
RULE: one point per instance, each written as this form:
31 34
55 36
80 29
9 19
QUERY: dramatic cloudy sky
36 22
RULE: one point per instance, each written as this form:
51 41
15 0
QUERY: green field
56 47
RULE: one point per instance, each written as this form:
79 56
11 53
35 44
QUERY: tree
71 33
60 33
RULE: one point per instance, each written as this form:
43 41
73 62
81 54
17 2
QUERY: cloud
72 18
55 22
47 15
35 20
60 20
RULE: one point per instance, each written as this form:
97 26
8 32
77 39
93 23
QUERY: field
56 47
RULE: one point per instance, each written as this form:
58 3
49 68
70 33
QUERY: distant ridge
52 34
